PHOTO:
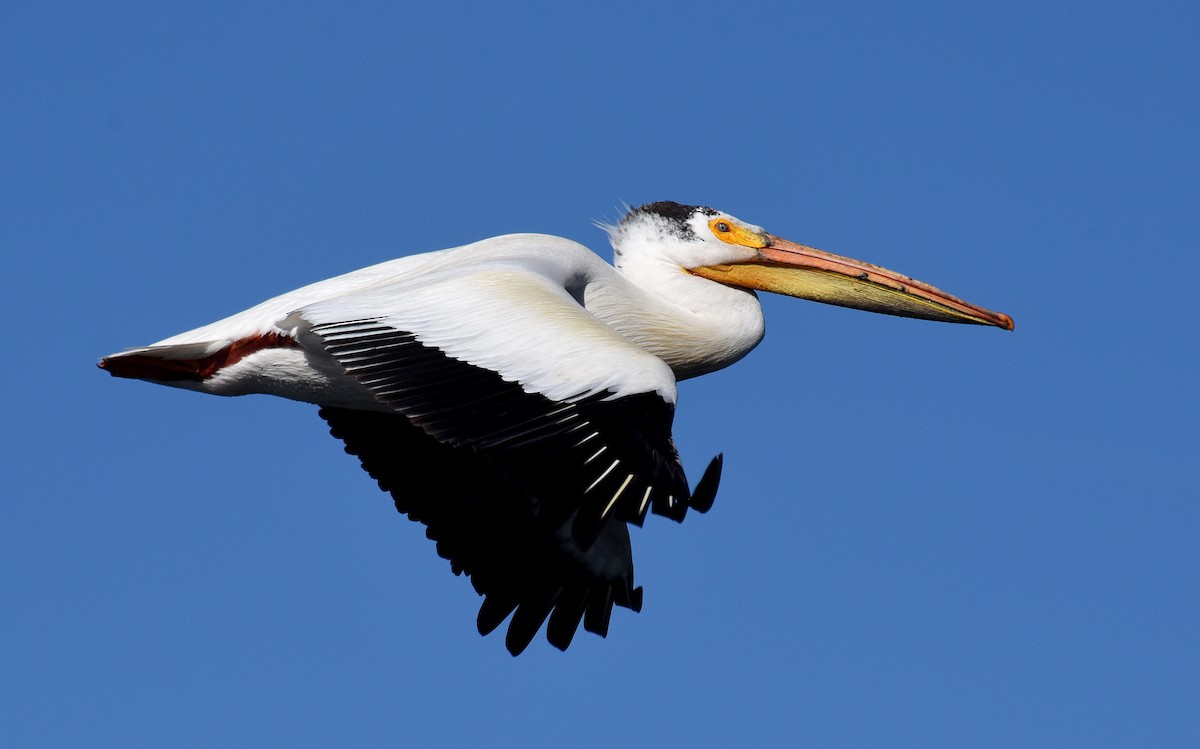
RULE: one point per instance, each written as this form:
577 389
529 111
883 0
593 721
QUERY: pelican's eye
734 233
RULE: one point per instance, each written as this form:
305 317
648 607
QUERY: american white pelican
516 395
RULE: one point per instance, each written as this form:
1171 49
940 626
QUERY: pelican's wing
560 423
486 525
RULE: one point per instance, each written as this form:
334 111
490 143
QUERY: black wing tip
599 612
532 614
635 599
565 619
562 639
562 614
515 645
705 492
493 612
559 605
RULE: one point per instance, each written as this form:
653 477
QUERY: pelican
515 395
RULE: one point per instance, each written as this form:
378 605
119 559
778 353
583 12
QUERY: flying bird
515 395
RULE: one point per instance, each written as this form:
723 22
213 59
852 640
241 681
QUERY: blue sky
927 535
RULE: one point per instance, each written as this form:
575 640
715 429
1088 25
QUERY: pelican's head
712 244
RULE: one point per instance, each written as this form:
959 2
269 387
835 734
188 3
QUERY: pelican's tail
180 362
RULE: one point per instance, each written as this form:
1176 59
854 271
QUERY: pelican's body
690 339
516 394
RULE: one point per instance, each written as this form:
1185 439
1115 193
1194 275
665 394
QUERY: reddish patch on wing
151 367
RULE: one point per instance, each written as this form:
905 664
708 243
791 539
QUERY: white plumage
516 394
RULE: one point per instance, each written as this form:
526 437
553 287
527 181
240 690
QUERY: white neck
695 325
